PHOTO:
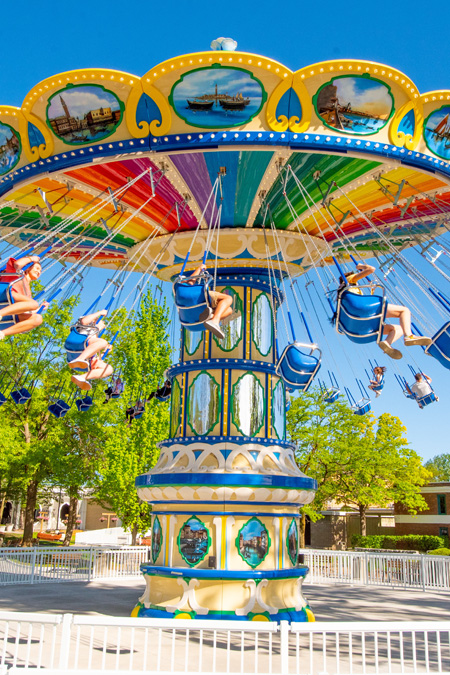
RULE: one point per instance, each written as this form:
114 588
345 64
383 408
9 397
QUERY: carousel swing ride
272 179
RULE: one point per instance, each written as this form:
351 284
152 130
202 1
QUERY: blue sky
48 38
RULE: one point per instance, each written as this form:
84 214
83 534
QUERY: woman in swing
23 309
392 332
84 353
376 384
220 306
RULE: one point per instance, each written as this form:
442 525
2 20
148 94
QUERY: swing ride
337 162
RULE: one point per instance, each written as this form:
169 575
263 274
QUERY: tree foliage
439 466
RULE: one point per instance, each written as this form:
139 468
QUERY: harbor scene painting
253 542
358 105
217 97
84 113
193 541
156 538
437 132
292 541
9 148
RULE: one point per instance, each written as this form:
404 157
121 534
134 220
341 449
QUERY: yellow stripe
269 406
207 338
280 548
225 404
167 540
248 337
183 382
224 542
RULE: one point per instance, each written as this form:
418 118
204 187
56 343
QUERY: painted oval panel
217 97
84 113
355 104
436 131
10 148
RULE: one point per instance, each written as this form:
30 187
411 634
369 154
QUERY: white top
421 388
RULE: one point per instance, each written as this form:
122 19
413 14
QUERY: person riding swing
20 305
83 346
220 306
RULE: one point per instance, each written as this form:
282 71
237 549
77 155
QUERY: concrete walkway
329 602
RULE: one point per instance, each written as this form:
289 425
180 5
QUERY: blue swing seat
379 386
422 401
193 301
137 416
162 399
84 404
3 399
59 409
296 368
116 395
331 395
361 317
6 300
362 407
20 396
74 345
440 346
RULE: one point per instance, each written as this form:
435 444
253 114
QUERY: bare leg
393 332
95 345
100 371
24 325
21 305
223 308
402 313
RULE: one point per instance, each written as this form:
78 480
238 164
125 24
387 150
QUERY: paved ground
328 602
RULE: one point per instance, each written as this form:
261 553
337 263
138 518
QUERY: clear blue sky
42 39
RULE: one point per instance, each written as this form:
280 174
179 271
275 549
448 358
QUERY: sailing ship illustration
226 102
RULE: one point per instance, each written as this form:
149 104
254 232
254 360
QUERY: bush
407 542
439 551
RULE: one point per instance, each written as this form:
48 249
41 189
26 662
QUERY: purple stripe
164 190
193 169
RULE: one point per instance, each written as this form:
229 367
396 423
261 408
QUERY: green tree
143 353
357 460
38 357
439 467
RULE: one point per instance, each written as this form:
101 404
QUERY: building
434 520
337 526
99 116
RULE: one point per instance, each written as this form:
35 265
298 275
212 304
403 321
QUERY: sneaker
79 363
413 340
377 394
215 329
206 314
81 382
390 351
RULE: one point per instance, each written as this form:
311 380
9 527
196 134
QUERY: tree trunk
30 508
302 530
2 506
134 534
362 520
71 519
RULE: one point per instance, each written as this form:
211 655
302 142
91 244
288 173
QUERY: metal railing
402 570
66 643
82 563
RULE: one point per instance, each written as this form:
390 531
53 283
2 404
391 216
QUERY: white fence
46 564
61 644
49 564
427 572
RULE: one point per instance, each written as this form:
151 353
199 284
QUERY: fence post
33 564
65 642
284 647
422 571
91 574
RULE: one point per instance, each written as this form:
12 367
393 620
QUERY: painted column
227 478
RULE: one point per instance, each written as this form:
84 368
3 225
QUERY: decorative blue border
239 440
221 364
187 573
225 479
211 140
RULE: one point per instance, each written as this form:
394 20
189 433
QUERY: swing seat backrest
192 301
379 386
116 395
6 300
332 396
361 317
427 399
59 409
297 368
20 396
162 399
75 344
3 399
440 346
362 407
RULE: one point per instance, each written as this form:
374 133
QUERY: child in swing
392 332
83 346
23 309
377 383
220 306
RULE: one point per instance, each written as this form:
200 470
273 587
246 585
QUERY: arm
22 262
85 320
408 389
197 272
427 377
363 271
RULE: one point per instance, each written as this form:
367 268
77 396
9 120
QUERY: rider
220 306
420 388
392 331
23 308
377 383
83 347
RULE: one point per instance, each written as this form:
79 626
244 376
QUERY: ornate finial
224 44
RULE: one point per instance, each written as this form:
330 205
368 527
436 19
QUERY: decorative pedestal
226 490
